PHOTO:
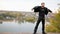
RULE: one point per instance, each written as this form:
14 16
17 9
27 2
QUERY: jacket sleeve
35 8
49 10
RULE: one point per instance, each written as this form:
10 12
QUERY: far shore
5 20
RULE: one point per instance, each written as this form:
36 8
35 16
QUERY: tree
1 17
54 25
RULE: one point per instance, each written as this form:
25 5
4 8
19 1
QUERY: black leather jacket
41 12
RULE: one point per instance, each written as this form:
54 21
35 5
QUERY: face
42 4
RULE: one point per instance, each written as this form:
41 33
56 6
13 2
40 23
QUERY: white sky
26 5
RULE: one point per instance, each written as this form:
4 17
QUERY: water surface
14 26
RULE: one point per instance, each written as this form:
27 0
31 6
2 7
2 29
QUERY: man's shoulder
40 7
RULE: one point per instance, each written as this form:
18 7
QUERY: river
14 26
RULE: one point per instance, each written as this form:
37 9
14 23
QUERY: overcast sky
26 5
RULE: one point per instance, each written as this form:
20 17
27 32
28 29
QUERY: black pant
43 24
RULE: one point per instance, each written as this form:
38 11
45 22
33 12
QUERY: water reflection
16 26
19 22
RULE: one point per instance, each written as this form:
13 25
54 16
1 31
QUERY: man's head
42 4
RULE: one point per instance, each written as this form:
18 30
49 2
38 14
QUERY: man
42 12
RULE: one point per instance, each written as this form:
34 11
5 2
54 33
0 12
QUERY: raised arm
35 9
49 10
